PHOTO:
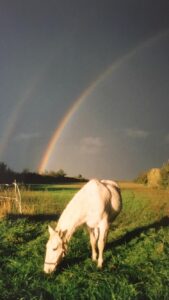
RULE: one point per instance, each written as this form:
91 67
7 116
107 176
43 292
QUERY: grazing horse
96 205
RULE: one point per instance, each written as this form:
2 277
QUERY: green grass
46 199
136 257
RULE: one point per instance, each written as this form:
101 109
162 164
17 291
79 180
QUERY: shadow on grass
67 189
164 222
68 261
53 189
34 218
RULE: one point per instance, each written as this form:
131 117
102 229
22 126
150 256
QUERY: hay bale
154 177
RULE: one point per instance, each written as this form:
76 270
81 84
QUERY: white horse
96 204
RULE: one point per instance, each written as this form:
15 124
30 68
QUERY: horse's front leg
93 241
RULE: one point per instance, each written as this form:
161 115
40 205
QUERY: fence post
18 196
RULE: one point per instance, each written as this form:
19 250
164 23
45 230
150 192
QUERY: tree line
7 176
164 171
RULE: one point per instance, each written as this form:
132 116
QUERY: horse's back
103 201
94 201
96 196
100 193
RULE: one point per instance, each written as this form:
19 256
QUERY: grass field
136 255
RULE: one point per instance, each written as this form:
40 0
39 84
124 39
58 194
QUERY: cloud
27 136
91 145
136 133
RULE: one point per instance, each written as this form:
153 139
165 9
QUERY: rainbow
14 116
58 131
13 120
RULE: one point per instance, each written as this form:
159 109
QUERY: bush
165 174
142 178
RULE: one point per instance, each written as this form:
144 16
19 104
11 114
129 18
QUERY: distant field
136 256
41 199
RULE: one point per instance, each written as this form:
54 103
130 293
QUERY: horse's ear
62 234
51 230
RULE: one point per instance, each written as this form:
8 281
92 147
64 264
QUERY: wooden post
18 196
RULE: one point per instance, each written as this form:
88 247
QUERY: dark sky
52 51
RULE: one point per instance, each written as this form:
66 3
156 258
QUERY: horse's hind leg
103 231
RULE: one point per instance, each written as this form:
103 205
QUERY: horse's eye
54 249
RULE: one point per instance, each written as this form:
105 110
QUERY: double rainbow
58 131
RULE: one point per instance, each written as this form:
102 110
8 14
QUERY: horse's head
55 250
